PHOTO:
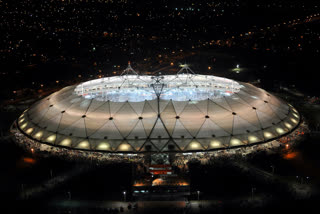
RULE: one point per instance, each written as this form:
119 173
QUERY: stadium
133 113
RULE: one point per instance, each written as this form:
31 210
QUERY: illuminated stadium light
51 138
288 125
124 147
123 110
29 130
24 125
195 145
295 115
66 142
38 135
294 120
268 135
83 145
280 130
215 144
235 142
253 139
184 65
103 146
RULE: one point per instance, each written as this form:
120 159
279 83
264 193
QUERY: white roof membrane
198 112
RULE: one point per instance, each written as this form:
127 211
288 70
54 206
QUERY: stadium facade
133 113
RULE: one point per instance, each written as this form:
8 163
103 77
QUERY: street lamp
252 192
124 195
272 169
198 194
69 195
307 179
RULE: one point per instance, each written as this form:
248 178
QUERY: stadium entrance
161 182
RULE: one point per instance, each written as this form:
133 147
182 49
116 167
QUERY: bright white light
29 130
134 88
66 142
20 121
215 144
268 134
83 145
38 135
280 130
24 125
183 66
294 120
124 147
103 146
51 138
294 114
252 139
288 125
195 145
235 142
238 65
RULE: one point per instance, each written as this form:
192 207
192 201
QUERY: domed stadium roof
183 112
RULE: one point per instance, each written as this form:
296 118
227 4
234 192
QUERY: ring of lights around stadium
184 112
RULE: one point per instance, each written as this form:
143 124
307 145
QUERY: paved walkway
299 191
193 206
142 206
51 183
